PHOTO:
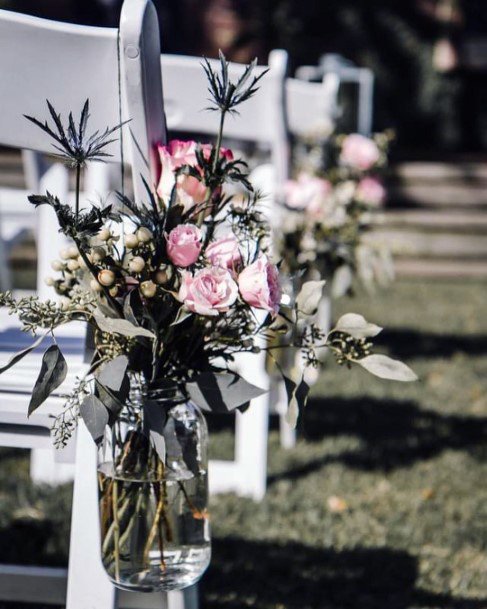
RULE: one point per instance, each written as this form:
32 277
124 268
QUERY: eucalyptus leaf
297 398
113 373
386 368
95 416
357 326
21 354
154 421
132 301
221 392
121 326
309 297
52 374
182 315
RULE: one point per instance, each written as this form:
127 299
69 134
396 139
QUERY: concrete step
421 171
437 220
410 243
447 269
440 195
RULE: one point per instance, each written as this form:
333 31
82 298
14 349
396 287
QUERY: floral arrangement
329 208
173 291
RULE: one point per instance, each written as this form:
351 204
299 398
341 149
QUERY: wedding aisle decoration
331 206
173 291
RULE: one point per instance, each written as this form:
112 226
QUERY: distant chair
311 105
347 72
66 63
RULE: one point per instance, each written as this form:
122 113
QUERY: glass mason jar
155 532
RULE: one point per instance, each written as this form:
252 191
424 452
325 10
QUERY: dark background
434 111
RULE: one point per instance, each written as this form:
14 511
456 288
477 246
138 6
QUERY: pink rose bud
195 189
307 192
184 245
370 191
359 152
225 253
259 285
173 156
210 291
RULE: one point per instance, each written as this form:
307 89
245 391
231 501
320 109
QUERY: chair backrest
261 119
65 63
311 105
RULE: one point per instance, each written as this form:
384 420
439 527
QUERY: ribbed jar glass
153 492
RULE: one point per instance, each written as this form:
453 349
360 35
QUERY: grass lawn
383 503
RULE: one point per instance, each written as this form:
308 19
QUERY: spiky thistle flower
226 95
75 147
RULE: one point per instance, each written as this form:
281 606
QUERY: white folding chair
310 105
66 63
348 72
260 120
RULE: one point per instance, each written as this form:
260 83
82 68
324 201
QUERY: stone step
447 269
437 220
409 243
422 171
441 195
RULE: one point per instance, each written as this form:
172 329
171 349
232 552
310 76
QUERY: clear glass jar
155 532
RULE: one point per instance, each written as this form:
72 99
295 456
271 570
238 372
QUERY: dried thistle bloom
73 144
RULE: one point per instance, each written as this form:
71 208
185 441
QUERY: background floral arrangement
329 208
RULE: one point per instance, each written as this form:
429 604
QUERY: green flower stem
116 530
78 180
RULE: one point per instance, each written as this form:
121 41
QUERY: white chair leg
252 432
97 182
88 584
183 599
5 274
287 434
44 468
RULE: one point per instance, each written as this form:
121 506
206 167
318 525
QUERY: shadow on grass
294 576
393 433
411 343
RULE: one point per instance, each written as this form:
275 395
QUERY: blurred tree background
427 87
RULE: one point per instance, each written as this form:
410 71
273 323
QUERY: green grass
407 462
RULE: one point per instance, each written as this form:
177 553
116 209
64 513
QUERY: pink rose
259 285
184 245
359 152
210 292
173 156
307 192
370 191
225 253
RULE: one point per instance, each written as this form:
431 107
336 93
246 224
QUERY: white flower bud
73 251
64 302
161 277
73 265
49 281
57 265
148 289
106 277
104 234
64 254
144 235
137 264
131 241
